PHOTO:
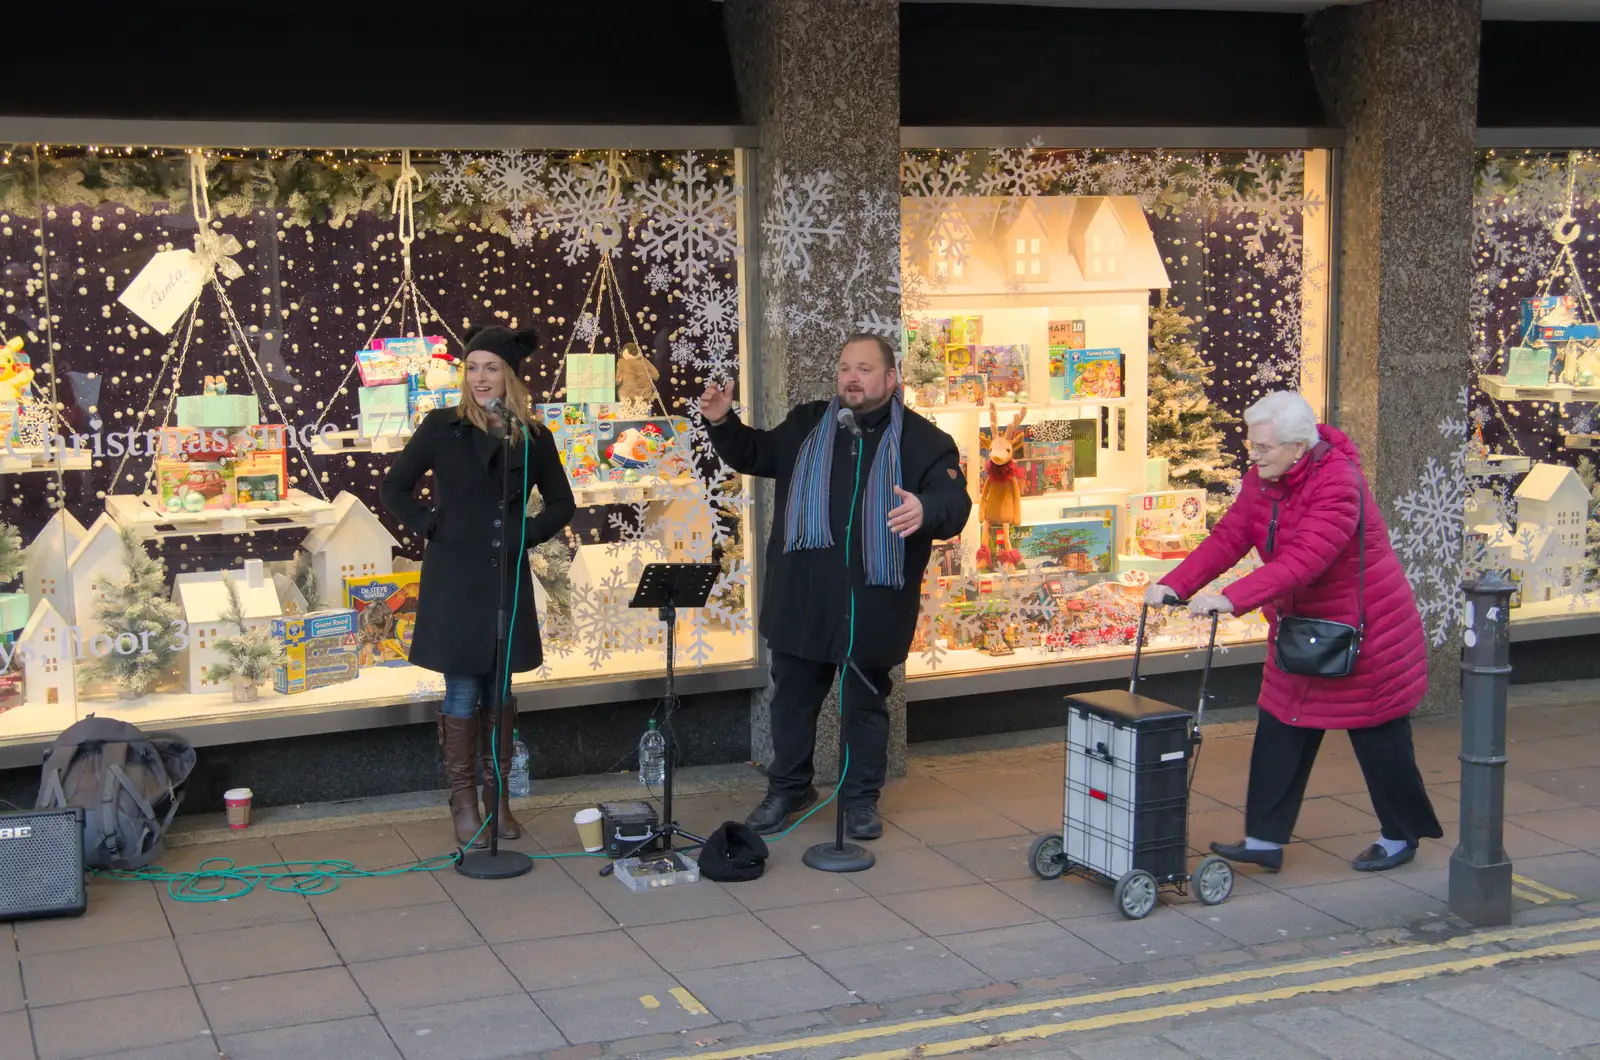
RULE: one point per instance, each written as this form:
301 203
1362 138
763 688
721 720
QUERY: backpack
128 785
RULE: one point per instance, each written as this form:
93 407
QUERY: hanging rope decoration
408 296
214 254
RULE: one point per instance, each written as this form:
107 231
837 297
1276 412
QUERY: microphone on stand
847 421
496 407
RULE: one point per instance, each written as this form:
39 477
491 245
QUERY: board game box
386 609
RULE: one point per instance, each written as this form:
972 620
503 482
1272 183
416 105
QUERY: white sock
1391 847
1260 844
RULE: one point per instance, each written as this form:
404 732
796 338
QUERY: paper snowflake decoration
798 217
690 222
512 178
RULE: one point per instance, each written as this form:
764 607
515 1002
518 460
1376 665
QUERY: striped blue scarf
806 523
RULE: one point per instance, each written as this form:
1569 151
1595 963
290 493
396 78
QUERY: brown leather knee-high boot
506 826
459 739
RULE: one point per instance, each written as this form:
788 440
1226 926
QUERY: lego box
386 609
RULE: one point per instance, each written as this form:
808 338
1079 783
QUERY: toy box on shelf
383 410
386 609
320 649
591 377
194 470
1065 337
1165 525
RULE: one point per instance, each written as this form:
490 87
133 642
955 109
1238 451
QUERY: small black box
624 824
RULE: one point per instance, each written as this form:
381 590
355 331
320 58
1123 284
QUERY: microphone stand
839 856
493 864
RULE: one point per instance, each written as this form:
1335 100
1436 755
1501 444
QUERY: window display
208 358
1088 326
1522 489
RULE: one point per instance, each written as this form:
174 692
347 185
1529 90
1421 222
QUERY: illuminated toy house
203 598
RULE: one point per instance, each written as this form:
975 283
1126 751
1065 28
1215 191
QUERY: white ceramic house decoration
354 545
203 598
48 676
98 555
44 572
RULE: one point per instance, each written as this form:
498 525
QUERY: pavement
948 945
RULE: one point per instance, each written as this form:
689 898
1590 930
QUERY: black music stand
667 587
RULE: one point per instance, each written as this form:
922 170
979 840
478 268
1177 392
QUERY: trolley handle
1205 674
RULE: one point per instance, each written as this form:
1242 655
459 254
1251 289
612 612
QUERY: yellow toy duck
15 371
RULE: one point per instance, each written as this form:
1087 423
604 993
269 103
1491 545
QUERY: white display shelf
1499 464
376 685
1498 388
972 660
151 520
1581 441
18 460
1007 409
337 443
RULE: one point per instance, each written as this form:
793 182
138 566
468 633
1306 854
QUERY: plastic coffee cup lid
585 816
236 794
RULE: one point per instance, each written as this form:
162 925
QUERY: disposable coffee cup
589 830
238 802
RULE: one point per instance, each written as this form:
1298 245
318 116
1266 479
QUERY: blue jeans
463 693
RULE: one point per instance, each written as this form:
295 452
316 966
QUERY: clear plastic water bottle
652 755
517 782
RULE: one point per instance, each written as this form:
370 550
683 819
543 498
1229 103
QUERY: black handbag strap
1361 552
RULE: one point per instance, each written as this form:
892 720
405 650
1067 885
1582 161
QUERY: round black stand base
826 857
482 865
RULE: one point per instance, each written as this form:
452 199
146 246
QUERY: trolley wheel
1213 881
1046 859
1136 894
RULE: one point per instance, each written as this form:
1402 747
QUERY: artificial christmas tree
12 555
137 608
248 656
1591 540
1185 427
304 577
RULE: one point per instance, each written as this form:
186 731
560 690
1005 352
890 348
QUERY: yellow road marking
1543 888
649 1001
1528 896
1321 964
690 1004
1191 1008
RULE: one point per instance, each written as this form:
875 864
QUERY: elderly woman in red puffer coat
1299 507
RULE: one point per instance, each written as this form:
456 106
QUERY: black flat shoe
1373 859
863 822
1271 860
775 811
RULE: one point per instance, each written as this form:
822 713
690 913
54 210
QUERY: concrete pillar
1401 77
821 78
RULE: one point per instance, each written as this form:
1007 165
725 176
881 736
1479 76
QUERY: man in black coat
864 487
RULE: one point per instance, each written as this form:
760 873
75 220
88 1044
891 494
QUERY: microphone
497 407
847 421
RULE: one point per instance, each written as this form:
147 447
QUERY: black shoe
863 822
1271 860
775 811
1373 859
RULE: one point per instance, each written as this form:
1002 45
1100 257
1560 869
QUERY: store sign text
99 646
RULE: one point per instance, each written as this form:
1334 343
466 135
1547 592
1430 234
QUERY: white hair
1289 415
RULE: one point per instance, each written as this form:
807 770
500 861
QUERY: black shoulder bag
1320 647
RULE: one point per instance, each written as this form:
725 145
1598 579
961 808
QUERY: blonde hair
518 400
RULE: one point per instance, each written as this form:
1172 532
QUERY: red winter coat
1312 570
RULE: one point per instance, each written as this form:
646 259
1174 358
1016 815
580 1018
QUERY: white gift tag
164 289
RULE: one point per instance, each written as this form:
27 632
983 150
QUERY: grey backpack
128 785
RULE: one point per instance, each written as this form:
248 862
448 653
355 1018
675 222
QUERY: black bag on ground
127 783
735 852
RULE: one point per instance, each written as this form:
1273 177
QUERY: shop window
609 255
1124 290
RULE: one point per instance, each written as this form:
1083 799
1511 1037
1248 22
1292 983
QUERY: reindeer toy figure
1000 499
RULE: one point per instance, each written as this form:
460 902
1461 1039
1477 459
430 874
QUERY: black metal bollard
1480 872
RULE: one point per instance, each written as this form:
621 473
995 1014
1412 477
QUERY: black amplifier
625 824
41 864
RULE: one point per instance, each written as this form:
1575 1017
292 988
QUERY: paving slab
89 1028
764 989
282 1000
605 1012
888 971
1012 954
433 978
477 1029
363 1038
1441 1030
1337 1036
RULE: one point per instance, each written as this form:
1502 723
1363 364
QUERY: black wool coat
805 596
465 530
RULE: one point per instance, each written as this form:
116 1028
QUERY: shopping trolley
1129 764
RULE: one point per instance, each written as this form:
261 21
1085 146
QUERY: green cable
850 647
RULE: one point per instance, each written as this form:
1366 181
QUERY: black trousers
1280 766
799 687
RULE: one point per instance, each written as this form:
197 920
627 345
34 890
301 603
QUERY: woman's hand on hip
1206 603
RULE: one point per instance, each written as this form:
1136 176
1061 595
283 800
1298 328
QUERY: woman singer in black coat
465 529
